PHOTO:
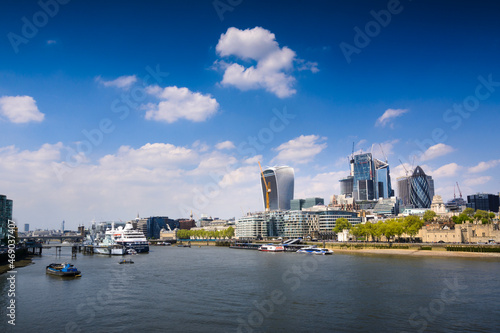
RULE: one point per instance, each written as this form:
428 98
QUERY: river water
212 289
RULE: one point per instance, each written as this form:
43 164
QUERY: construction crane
459 191
383 152
267 186
404 168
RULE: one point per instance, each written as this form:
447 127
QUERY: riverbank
420 253
20 263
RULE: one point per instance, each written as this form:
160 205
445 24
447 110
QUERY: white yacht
129 237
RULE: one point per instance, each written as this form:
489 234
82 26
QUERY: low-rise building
462 233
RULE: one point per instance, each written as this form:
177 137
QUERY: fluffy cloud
123 82
477 181
322 185
435 151
301 149
20 109
179 103
389 116
448 170
273 63
225 145
483 166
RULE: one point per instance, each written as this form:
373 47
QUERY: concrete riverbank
420 253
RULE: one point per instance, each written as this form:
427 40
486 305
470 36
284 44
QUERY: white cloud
123 82
435 151
156 155
483 166
180 103
301 149
253 160
388 116
273 63
477 181
321 185
448 170
20 109
225 145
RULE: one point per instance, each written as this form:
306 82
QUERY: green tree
341 224
412 224
429 215
358 231
229 232
469 212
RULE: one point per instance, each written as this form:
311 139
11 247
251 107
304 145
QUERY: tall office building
280 180
26 227
383 179
364 176
5 216
483 201
370 179
417 190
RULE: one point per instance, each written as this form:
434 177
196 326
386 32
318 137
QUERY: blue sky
164 107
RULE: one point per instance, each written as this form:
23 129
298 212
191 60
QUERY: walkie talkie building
280 179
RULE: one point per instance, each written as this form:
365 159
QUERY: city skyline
112 109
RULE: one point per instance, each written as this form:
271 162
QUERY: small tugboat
63 269
126 261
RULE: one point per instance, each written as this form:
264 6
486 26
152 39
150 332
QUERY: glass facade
417 190
290 224
281 182
483 201
156 223
364 169
346 186
327 219
384 180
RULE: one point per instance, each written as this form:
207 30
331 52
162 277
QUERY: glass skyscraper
364 176
370 179
281 182
417 190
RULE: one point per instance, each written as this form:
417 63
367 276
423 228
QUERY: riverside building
5 215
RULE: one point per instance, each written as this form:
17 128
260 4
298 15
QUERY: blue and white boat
63 269
314 250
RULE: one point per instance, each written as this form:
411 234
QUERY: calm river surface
211 289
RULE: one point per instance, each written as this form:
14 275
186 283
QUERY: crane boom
459 191
267 186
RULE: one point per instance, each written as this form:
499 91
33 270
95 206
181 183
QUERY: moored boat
64 269
314 250
272 248
129 237
126 261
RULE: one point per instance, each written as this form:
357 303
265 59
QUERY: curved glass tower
281 182
420 194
